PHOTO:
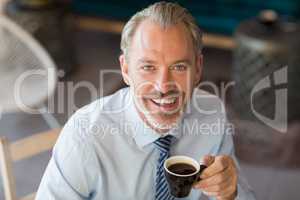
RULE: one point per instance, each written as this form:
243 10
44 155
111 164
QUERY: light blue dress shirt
106 152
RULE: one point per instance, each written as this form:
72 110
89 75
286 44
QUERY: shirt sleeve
244 191
72 171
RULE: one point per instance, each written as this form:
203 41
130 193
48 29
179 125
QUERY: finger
229 192
208 160
222 194
218 187
220 163
216 179
226 193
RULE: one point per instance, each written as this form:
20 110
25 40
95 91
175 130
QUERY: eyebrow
145 60
185 61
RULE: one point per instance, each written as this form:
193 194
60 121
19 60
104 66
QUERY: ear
199 67
124 69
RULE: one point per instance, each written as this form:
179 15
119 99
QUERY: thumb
208 160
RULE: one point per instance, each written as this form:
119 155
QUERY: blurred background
245 41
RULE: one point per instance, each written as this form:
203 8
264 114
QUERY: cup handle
202 167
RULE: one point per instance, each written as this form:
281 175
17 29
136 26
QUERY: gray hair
165 14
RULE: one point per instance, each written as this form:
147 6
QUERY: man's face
162 69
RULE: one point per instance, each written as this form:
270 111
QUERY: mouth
166 104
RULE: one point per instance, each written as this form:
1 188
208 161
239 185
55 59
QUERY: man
107 150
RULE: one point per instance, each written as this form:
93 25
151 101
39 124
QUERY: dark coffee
182 168
181 173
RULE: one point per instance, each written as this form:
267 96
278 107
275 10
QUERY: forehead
152 40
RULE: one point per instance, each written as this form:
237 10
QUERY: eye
180 67
148 68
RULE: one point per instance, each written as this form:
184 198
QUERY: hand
219 179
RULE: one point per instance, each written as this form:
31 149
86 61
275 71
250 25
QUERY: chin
158 118
163 121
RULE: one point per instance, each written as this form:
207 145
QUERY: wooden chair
19 150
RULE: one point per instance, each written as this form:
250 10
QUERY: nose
164 82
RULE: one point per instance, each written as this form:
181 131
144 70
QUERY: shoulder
205 123
89 121
205 114
108 105
206 104
105 109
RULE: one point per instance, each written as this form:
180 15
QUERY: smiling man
161 66
111 148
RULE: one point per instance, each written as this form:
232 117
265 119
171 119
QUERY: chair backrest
19 150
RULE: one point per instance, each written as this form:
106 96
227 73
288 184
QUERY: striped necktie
161 187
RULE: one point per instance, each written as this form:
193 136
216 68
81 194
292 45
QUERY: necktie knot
163 143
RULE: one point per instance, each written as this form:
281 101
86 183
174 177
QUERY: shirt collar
141 132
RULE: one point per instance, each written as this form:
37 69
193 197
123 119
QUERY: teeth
165 101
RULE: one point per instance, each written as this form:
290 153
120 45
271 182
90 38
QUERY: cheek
184 83
142 84
142 87
136 82
142 90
